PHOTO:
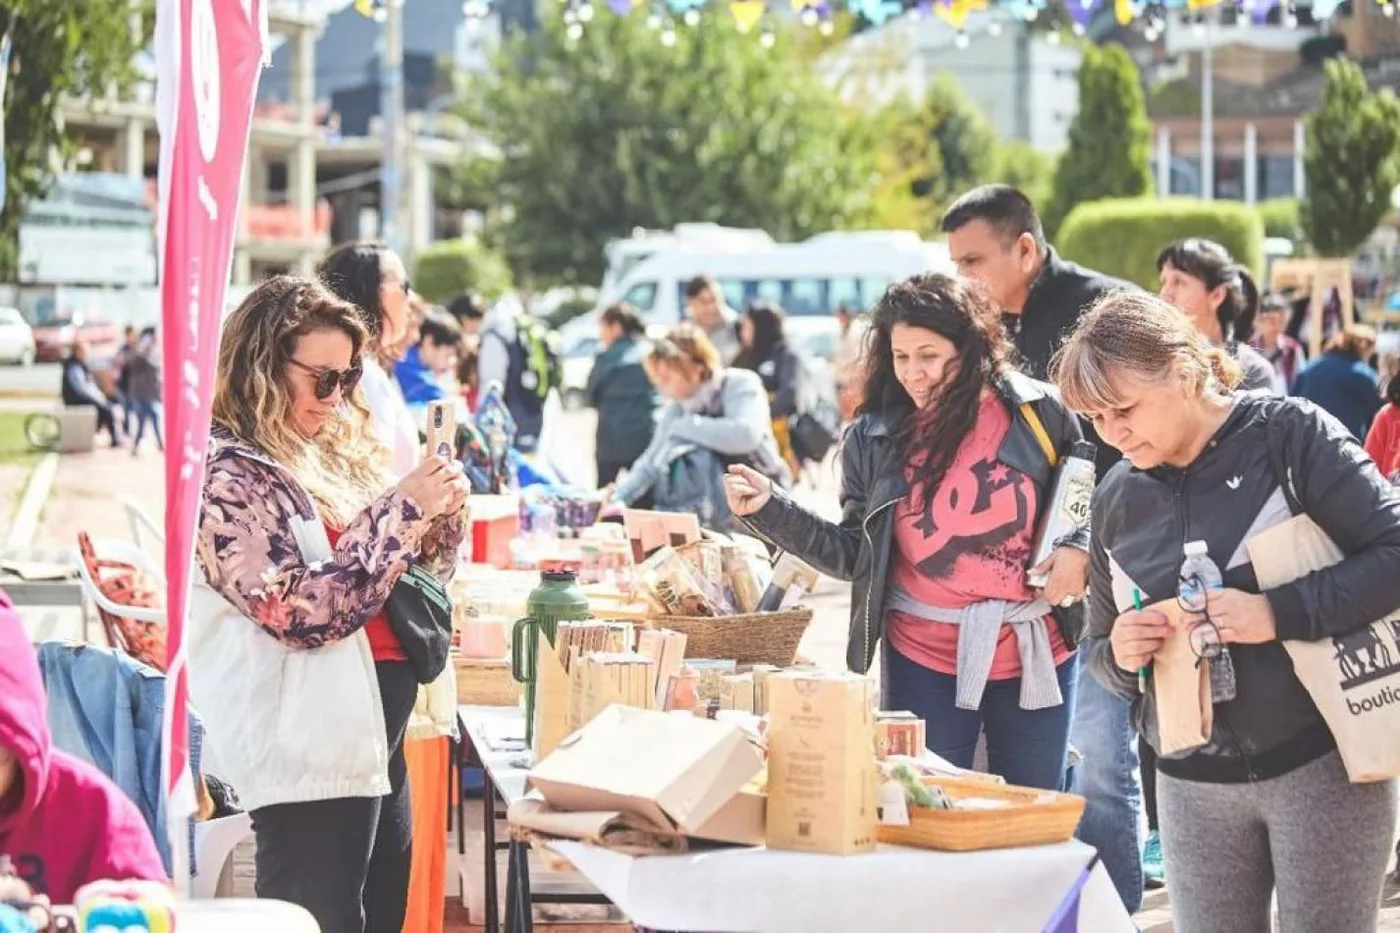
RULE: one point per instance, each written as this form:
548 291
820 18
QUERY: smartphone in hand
442 429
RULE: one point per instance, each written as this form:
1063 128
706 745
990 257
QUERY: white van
809 279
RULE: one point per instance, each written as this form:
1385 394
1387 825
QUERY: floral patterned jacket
247 545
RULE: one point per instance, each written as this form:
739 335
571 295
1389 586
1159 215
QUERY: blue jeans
1025 746
1107 779
146 413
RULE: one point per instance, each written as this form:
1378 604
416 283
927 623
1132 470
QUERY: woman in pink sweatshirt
62 822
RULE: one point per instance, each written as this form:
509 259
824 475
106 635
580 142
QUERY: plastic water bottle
1199 578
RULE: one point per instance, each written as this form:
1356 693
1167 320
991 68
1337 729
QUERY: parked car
55 336
16 338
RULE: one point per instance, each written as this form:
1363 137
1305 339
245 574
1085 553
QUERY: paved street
88 489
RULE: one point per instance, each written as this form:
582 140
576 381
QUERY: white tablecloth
243 916
895 889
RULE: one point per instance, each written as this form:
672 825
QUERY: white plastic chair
214 842
109 549
142 525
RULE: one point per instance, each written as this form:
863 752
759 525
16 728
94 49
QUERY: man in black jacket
995 237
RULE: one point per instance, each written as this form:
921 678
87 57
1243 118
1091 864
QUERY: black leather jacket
872 482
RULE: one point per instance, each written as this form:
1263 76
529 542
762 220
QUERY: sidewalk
87 494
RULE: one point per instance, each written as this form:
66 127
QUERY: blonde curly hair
343 467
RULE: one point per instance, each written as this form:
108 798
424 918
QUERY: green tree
449 268
905 166
1021 166
1352 160
617 129
963 138
61 48
1108 148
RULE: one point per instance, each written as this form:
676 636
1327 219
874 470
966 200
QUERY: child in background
62 822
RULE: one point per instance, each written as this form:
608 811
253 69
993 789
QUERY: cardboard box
822 786
679 771
740 821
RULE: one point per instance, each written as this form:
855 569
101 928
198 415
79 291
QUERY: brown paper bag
552 691
627 833
1185 713
1354 678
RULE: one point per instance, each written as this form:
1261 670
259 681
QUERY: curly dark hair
963 315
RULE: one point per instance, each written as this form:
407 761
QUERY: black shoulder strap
1283 474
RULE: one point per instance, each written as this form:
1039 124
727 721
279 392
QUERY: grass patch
14 447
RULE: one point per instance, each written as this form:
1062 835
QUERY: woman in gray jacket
713 417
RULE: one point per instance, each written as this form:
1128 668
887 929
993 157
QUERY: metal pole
392 119
1208 114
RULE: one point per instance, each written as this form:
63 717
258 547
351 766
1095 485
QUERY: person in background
1342 381
420 372
765 350
80 389
849 352
713 416
621 393
996 238
63 823
131 343
1263 809
470 312
1271 339
944 478
1383 440
519 353
1219 296
371 277
707 307
143 389
302 534
468 379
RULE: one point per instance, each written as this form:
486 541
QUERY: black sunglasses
328 379
1204 637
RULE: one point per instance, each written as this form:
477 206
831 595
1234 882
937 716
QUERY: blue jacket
416 381
107 709
1343 386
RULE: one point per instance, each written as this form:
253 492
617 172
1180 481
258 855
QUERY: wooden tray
1024 823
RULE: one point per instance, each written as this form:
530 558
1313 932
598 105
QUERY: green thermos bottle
558 598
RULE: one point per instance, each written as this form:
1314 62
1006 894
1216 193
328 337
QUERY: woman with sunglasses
371 277
302 535
1264 807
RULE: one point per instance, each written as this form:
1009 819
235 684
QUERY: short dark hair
469 306
625 316
439 327
1006 209
701 283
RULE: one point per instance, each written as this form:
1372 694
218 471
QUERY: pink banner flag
208 57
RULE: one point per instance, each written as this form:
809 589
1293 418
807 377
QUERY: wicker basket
753 638
1024 823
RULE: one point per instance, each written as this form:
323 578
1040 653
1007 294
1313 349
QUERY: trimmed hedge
1122 237
1283 218
449 268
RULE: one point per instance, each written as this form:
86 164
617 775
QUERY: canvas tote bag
1354 678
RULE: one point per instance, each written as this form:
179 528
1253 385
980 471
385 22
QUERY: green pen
1142 671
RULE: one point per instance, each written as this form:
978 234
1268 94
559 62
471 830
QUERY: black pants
347 860
1147 760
